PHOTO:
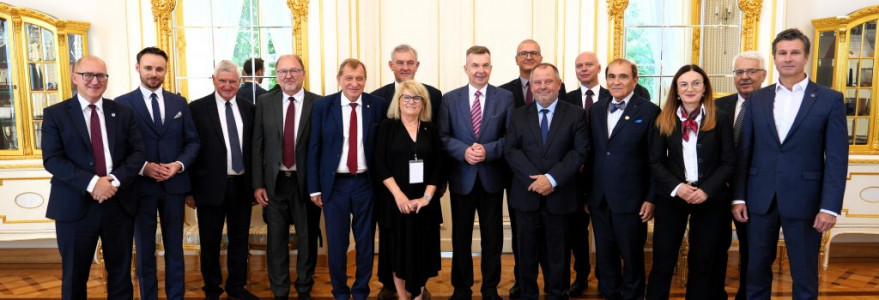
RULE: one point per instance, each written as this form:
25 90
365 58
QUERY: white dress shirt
691 157
239 124
298 99
346 125
787 104
108 160
472 96
614 117
149 102
549 116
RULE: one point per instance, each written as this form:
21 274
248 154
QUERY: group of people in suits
768 158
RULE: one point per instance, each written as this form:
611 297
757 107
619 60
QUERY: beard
146 82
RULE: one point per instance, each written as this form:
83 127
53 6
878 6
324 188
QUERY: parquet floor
845 279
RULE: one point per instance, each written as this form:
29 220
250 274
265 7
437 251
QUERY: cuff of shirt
91 186
142 168
829 212
734 202
314 194
551 180
182 167
115 182
675 191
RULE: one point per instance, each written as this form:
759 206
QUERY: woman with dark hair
692 157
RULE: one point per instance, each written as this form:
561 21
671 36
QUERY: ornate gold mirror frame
163 10
616 10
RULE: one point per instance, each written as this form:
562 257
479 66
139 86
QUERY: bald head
587 68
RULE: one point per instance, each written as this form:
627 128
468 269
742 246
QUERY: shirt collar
595 90
799 86
85 103
684 118
473 89
626 99
524 81
146 92
344 100
296 97
551 106
222 102
741 99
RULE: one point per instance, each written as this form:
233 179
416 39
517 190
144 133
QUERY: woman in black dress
692 157
408 161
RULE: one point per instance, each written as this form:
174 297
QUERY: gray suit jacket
268 141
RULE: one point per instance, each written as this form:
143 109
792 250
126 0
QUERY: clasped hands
691 194
104 189
540 185
474 154
407 206
161 172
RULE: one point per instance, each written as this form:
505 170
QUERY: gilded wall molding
162 16
750 22
616 11
299 12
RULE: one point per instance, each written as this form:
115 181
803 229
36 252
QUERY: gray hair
227 66
750 55
404 48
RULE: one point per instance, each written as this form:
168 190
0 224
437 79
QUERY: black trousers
77 241
709 229
542 232
464 208
235 212
619 236
742 234
577 231
288 208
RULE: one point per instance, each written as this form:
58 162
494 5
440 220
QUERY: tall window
208 31
663 35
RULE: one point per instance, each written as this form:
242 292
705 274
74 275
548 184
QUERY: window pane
862 127
198 52
275 14
852 73
869 38
8 135
826 55
864 102
677 49
850 123
850 104
640 48
854 45
233 13
652 86
866 73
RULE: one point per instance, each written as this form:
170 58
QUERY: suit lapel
110 120
489 107
810 94
631 110
76 115
304 117
141 108
557 117
768 114
214 115
600 121
170 111
464 110
366 115
336 113
579 99
278 113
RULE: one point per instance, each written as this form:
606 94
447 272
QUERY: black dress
414 239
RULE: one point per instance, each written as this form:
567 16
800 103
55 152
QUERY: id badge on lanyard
416 171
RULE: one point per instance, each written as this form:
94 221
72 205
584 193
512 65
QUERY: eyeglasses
751 72
524 54
415 99
284 73
684 85
89 76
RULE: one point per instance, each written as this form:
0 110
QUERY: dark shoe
514 291
461 296
491 296
281 298
211 297
304 296
242 295
387 294
578 288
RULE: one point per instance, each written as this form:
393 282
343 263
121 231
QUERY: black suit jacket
246 92
436 97
268 141
565 150
209 175
68 156
620 167
728 104
515 87
716 159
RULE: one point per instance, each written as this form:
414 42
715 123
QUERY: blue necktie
234 143
544 126
157 113
615 106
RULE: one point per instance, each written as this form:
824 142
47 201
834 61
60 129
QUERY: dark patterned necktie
740 119
157 113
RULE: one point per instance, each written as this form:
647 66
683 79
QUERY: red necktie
352 140
689 124
97 142
529 97
289 155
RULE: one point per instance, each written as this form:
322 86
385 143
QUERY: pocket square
178 115
639 121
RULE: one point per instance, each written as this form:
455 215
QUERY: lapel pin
813 95
113 115
627 117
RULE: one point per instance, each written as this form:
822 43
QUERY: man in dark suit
547 142
253 71
404 63
170 146
473 121
280 145
221 182
749 71
621 197
93 150
792 174
340 151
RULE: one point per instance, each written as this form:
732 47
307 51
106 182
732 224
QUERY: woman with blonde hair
692 157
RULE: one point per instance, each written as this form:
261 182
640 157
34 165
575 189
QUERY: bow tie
617 106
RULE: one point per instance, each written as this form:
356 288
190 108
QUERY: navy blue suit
79 219
344 195
621 182
176 140
786 184
476 187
